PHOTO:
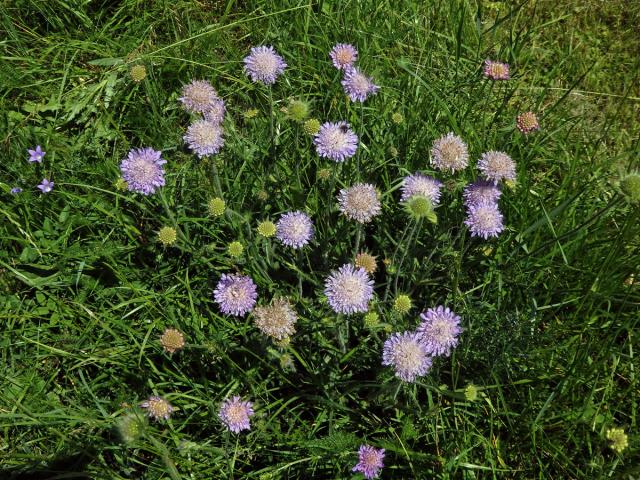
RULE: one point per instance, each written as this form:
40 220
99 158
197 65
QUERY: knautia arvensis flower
297 110
235 414
267 229
366 261
172 340
439 331
343 55
419 207
484 220
481 191
138 73
130 427
311 126
143 171
157 408
294 229
357 85
235 249
204 137
449 153
402 304
527 122
167 236
216 207
336 141
277 320
359 202
264 65
235 294
407 354
619 440
497 166
349 290
419 184
630 187
370 461
198 96
496 70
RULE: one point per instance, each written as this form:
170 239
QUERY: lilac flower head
294 229
16 190
496 70
204 137
439 330
36 155
235 413
45 186
343 55
216 111
481 191
359 202
449 153
369 461
484 220
264 65
235 294
336 141
357 85
157 408
142 170
419 184
407 354
497 166
349 290
199 96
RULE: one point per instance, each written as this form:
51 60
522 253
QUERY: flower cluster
356 84
205 135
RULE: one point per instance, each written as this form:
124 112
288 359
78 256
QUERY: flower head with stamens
449 153
439 331
370 461
235 414
343 55
407 354
349 290
264 65
359 202
294 229
235 294
336 141
143 170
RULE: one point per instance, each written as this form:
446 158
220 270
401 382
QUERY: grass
549 308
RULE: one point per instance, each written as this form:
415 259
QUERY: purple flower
235 294
46 186
294 229
343 56
359 202
264 65
497 166
36 155
407 354
496 70
157 408
369 461
357 85
204 137
439 330
349 290
142 170
484 220
16 190
481 191
199 96
216 112
336 141
419 184
449 153
235 413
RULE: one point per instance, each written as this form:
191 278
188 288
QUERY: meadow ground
545 366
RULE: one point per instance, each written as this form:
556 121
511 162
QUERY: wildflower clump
216 207
267 229
167 236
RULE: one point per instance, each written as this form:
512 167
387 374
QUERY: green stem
404 253
393 258
358 237
216 178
